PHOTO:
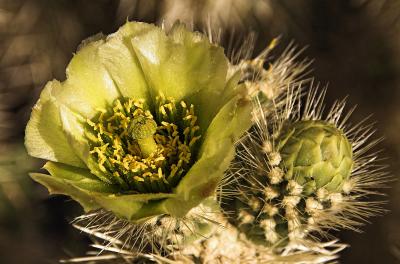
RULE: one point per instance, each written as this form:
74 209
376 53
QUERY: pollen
144 151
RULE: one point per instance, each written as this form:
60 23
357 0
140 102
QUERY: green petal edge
184 65
102 70
44 137
93 194
215 156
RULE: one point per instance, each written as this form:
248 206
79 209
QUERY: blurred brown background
356 49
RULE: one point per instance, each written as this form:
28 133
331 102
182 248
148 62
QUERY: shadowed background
355 49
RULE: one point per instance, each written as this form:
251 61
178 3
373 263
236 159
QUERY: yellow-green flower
143 125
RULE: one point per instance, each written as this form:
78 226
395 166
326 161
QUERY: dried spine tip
270 210
275 175
274 158
267 146
270 193
294 188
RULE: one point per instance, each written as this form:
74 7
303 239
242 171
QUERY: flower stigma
142 130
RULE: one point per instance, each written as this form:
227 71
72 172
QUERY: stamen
144 151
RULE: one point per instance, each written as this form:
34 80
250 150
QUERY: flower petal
119 59
79 178
60 186
92 193
134 207
104 70
89 85
215 155
73 128
139 61
216 90
183 65
44 137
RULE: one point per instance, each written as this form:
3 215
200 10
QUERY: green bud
296 178
316 154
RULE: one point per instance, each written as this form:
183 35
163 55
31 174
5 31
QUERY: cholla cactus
203 234
223 245
298 173
142 130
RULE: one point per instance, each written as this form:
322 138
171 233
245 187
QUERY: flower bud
316 154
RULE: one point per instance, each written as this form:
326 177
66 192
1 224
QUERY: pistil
143 129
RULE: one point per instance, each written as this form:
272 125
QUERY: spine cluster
298 173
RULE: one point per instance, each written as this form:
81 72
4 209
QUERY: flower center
143 151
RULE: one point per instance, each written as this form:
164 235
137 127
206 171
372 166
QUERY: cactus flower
143 125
